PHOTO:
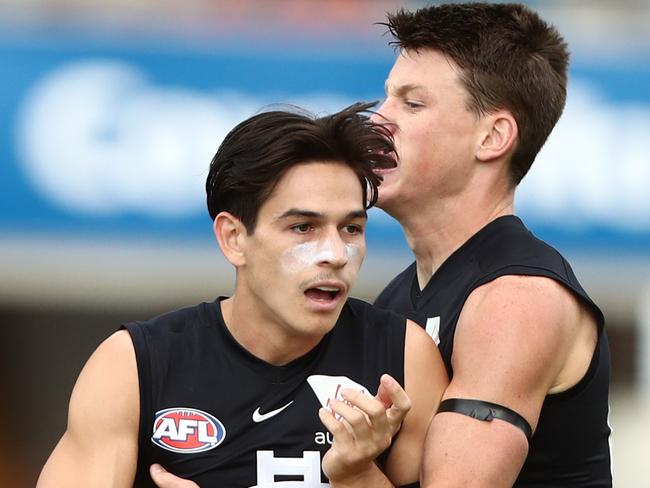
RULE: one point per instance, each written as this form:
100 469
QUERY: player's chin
385 199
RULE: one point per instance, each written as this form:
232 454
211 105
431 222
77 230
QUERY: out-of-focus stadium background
111 110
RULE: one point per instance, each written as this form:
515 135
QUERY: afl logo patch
187 430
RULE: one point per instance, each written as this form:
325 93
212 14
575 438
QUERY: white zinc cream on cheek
307 254
354 254
301 256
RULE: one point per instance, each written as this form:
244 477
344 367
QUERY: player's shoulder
118 343
110 369
522 290
103 410
523 306
177 321
520 266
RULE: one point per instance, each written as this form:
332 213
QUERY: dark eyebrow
358 214
296 212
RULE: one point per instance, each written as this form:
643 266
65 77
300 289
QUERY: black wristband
478 409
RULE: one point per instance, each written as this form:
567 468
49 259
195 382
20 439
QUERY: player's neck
256 332
434 232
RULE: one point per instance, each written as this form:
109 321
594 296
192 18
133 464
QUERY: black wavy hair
257 153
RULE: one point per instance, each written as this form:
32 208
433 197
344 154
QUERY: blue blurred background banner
108 138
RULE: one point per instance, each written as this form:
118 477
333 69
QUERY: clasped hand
362 428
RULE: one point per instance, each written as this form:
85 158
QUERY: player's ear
499 137
231 235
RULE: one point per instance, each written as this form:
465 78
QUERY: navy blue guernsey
570 447
212 412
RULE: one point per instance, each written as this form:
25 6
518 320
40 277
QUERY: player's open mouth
385 163
323 293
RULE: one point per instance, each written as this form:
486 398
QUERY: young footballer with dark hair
271 386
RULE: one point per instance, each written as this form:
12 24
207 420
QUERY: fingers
355 442
383 393
359 424
373 409
338 429
400 404
383 413
164 479
392 392
362 426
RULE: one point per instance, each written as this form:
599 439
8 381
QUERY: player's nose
382 116
335 252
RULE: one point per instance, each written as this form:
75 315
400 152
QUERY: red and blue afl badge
187 430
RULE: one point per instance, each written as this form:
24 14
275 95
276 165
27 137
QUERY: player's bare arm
100 445
518 339
359 438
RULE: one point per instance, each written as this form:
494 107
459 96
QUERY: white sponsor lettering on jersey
322 438
307 467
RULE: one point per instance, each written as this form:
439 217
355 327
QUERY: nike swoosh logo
261 417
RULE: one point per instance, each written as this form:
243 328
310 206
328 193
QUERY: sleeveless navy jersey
212 412
570 446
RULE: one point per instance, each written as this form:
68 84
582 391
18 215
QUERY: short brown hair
509 59
257 152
